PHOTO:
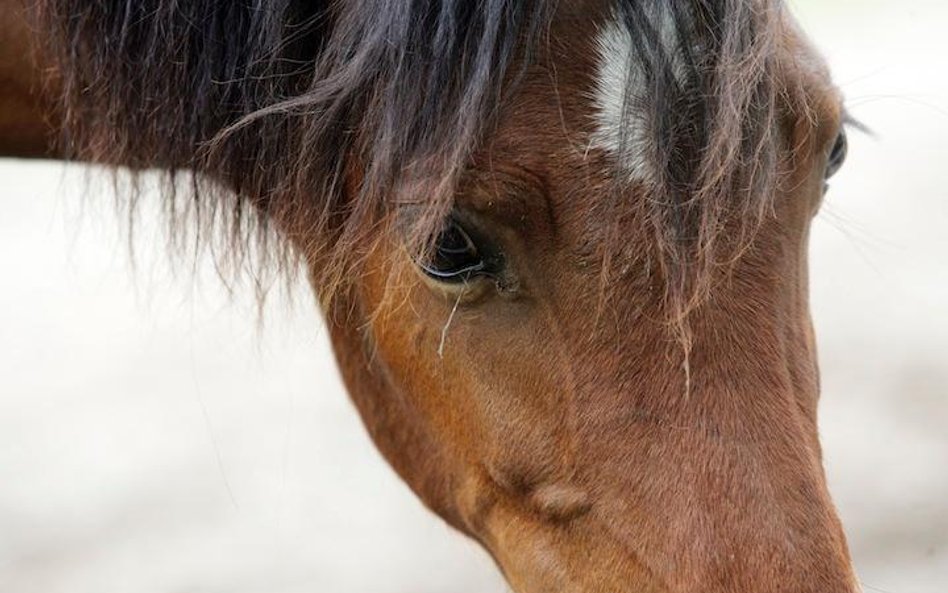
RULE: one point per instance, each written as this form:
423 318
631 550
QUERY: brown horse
561 248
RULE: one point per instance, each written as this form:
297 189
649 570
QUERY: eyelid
454 274
837 154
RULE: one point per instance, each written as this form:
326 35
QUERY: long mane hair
274 104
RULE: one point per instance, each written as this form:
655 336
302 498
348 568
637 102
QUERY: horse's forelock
281 100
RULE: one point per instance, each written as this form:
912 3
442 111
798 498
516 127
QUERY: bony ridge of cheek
560 501
550 501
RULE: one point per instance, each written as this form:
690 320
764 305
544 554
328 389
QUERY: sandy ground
153 440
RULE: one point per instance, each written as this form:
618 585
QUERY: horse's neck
26 111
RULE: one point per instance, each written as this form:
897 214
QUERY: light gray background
153 440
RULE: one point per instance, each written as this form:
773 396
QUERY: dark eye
837 155
455 257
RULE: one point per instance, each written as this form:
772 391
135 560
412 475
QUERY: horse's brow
505 189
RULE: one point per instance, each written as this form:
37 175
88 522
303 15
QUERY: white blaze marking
621 125
616 133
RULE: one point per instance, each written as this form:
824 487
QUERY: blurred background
154 438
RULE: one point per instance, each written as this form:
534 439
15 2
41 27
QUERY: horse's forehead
588 96
579 112
614 85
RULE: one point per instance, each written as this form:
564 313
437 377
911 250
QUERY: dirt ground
152 439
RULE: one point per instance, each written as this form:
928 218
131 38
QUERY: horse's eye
837 155
454 257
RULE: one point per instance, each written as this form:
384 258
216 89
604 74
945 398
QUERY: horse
560 247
